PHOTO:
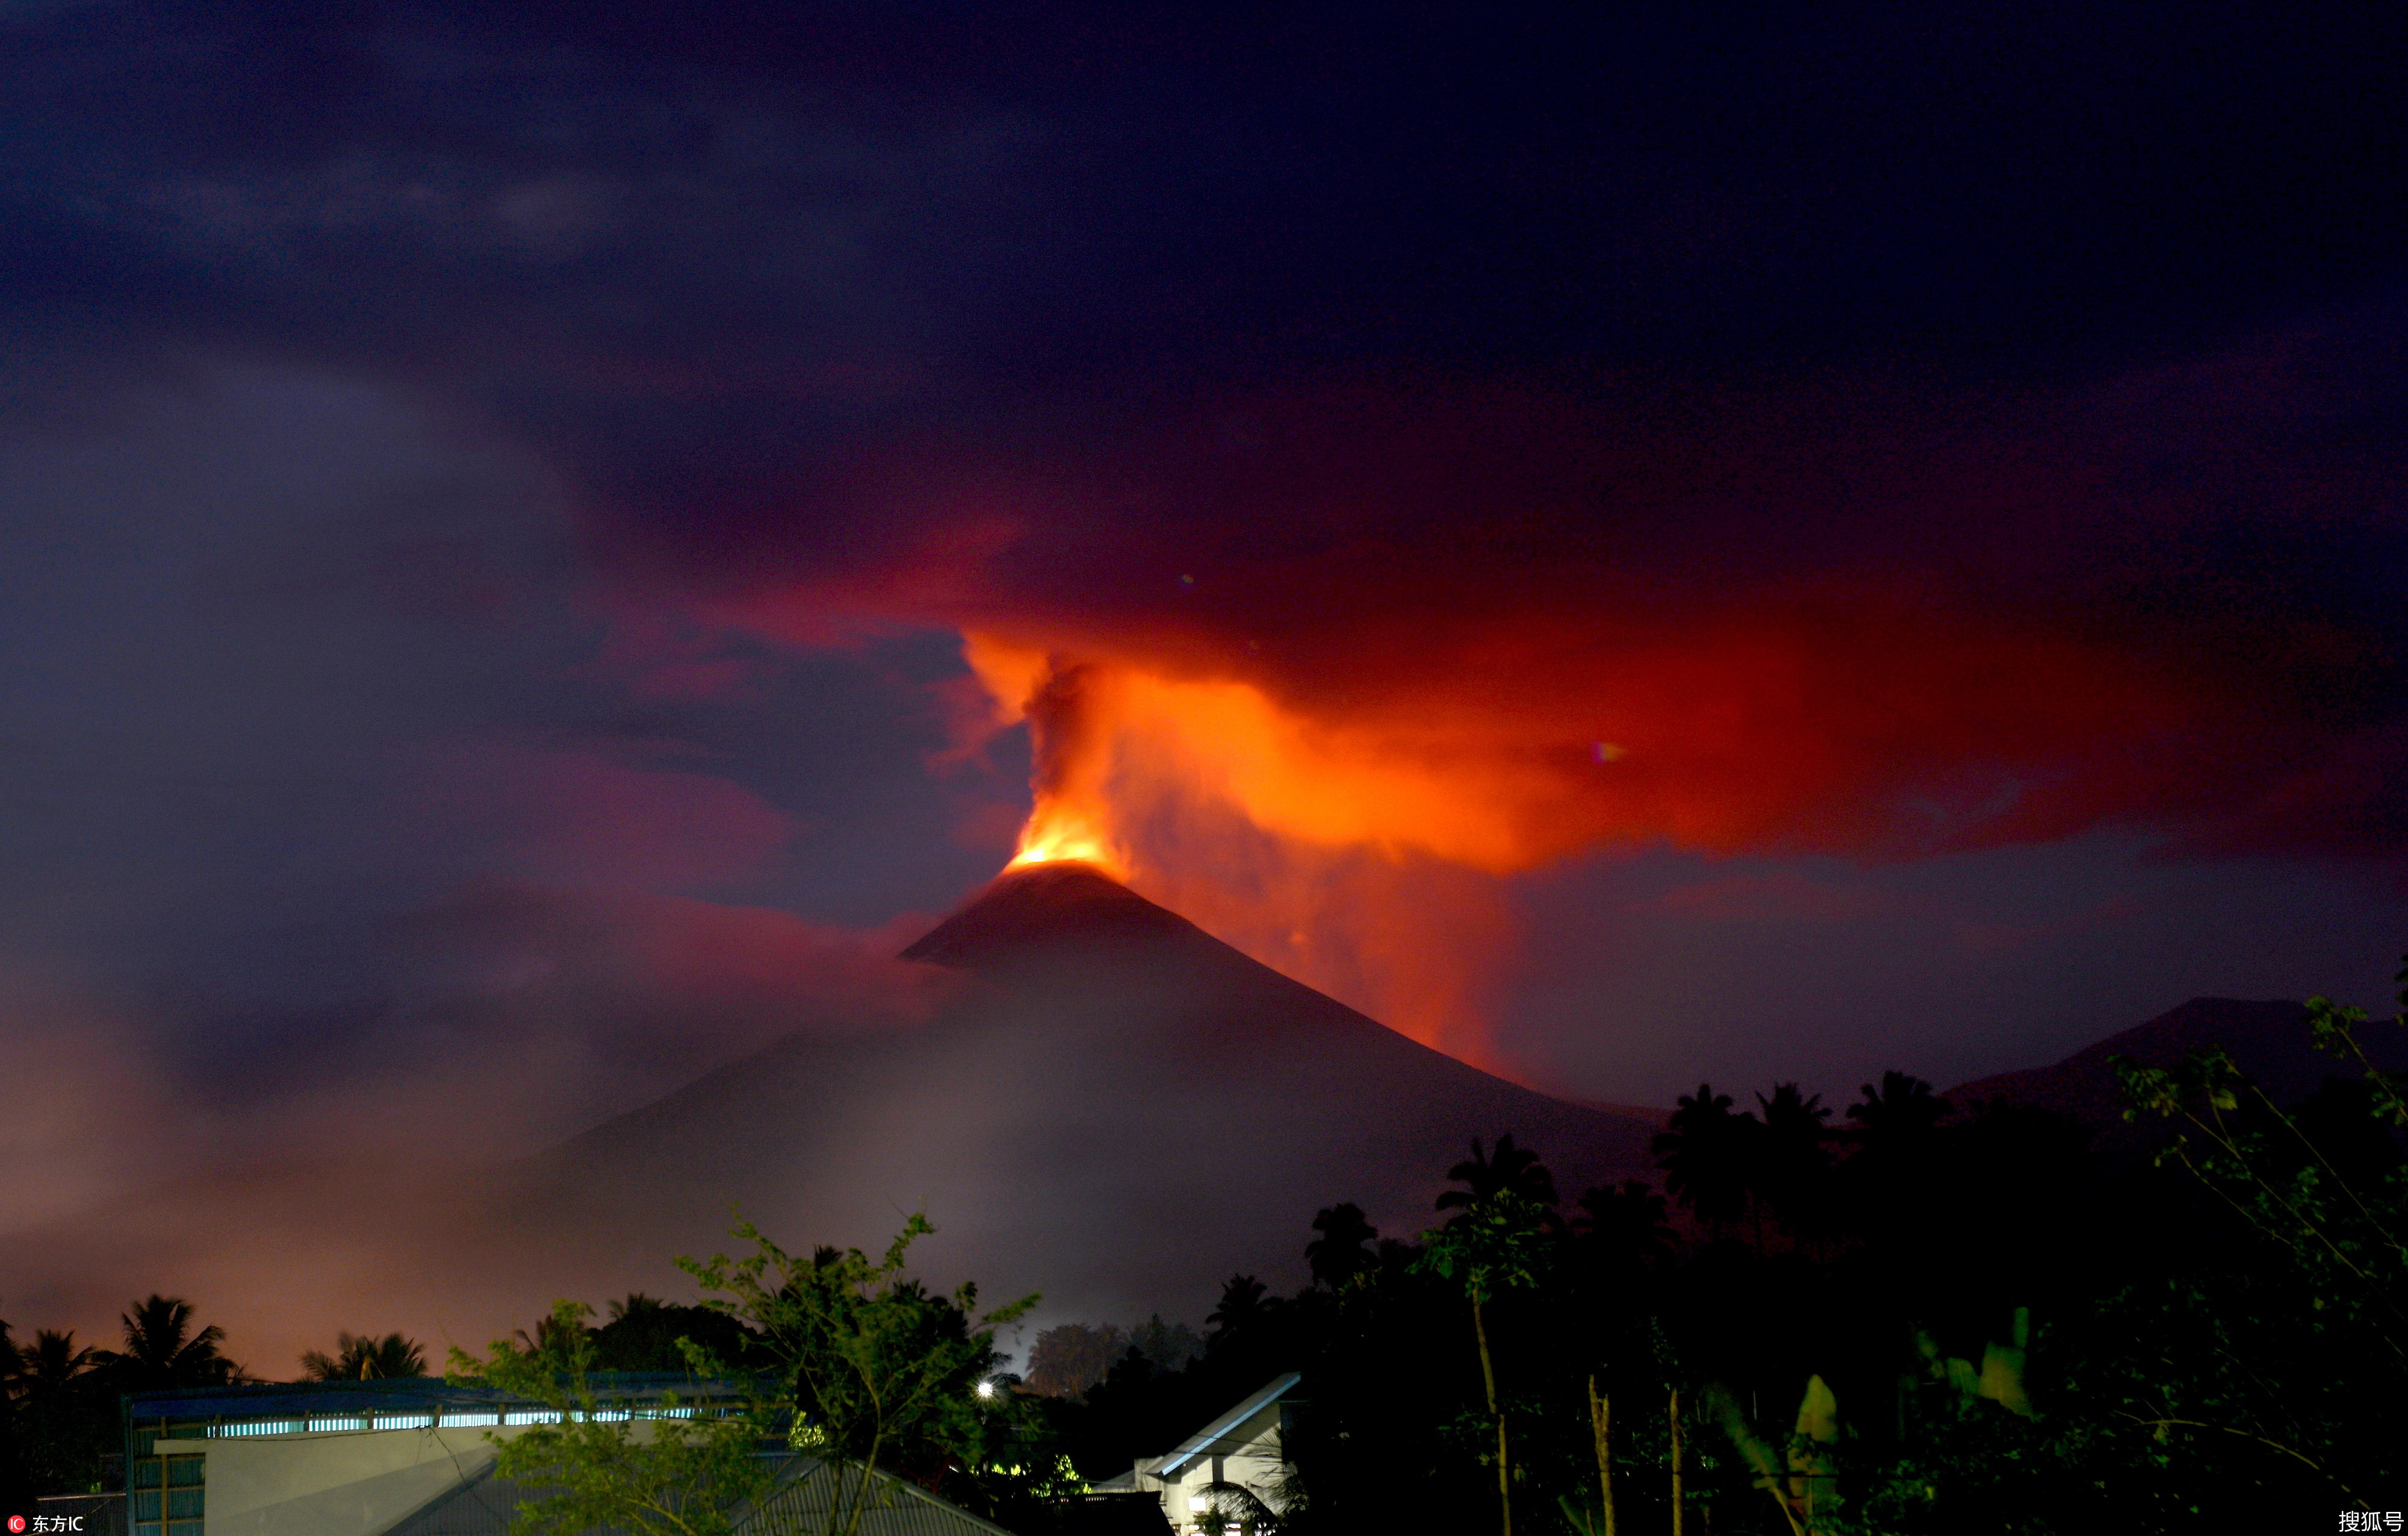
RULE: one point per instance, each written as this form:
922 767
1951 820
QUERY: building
411 1458
1226 1475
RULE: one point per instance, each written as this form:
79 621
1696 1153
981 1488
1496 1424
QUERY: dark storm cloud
1955 346
1799 612
982 203
2027 370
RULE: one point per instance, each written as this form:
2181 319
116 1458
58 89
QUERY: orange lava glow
1116 741
1060 834
1336 857
1355 832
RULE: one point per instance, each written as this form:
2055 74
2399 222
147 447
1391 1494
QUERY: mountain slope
2269 1040
1116 1108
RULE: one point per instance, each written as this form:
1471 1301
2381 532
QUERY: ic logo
16 1524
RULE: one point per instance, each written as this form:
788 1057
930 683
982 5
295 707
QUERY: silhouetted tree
50 1362
1245 1301
163 1351
1497 1243
1791 1158
1898 1114
1899 1168
1343 1249
360 1357
60 1424
548 1335
14 1490
1706 1154
645 1333
1626 1225
1170 1346
1508 1170
1068 1358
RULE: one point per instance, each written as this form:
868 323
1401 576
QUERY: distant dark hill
1116 1109
2269 1040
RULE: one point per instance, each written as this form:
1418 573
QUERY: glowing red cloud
1266 645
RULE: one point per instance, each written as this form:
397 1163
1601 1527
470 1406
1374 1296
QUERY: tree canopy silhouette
1343 1249
1626 1225
1790 1160
51 1362
1900 1112
163 1351
1706 1155
1507 1170
361 1358
1244 1302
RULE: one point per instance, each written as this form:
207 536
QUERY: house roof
1209 1440
483 1504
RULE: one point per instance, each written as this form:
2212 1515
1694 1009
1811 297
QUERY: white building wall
355 1484
1249 1457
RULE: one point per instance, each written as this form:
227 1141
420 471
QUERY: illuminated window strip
450 1420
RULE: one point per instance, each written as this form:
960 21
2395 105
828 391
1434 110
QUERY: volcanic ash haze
1116 1109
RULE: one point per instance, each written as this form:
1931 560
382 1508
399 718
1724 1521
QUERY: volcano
1112 1107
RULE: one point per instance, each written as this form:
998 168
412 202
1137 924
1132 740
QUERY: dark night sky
492 499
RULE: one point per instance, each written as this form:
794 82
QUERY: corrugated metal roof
896 1508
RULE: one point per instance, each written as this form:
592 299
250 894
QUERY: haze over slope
1117 1110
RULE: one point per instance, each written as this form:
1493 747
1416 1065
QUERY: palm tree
163 1350
1899 1167
1244 1302
1509 1169
360 1357
1626 1224
552 1333
1900 1113
1790 1159
1343 1250
636 1301
50 1362
59 1422
1705 1155
1500 1242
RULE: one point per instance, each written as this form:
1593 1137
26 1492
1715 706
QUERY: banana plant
1801 1476
2000 1377
1803 1479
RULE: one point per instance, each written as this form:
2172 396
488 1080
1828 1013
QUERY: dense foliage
1924 1318
875 1370
680 1465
